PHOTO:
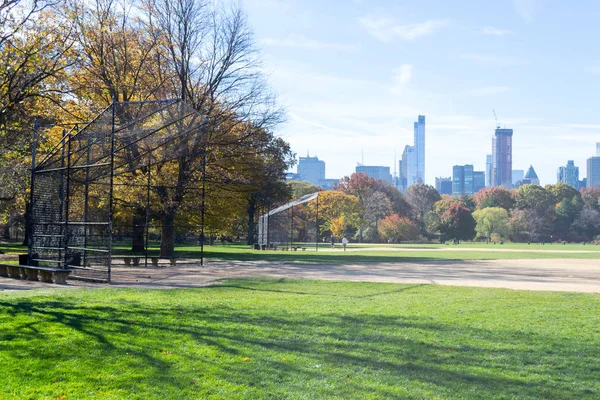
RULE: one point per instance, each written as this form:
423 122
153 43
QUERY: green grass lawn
299 339
371 254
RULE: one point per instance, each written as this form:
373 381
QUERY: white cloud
492 31
306 43
486 91
492 59
402 75
385 29
583 126
527 8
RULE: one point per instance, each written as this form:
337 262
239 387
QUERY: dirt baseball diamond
572 275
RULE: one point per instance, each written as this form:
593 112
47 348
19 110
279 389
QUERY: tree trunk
251 212
167 239
138 230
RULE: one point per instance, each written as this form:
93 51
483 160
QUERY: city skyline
355 77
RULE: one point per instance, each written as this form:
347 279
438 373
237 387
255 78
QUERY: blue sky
355 74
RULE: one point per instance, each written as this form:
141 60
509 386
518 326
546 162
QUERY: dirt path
552 275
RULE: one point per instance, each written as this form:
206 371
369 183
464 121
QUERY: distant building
328 184
401 180
419 131
593 172
531 177
502 158
517 175
583 183
568 174
462 180
488 170
597 149
412 166
376 172
311 169
409 166
443 185
466 181
478 181
292 176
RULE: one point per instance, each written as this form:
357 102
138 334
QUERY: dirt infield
553 275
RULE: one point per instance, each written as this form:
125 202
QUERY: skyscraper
419 128
517 175
458 180
597 149
593 172
488 170
568 174
478 181
409 165
531 177
443 185
375 172
311 169
466 181
502 158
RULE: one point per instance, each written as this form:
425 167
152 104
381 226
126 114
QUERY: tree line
63 62
370 210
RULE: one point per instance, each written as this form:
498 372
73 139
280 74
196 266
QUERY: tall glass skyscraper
593 172
488 170
502 158
408 170
568 174
420 149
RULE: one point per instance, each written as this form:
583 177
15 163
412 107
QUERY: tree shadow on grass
321 350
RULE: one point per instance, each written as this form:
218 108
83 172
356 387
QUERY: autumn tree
395 228
494 197
335 204
213 64
458 223
35 51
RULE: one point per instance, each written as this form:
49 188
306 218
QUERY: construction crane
496 118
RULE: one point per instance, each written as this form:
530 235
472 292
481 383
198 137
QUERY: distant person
332 241
344 242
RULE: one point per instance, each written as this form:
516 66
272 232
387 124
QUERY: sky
354 75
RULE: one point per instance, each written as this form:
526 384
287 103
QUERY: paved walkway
553 275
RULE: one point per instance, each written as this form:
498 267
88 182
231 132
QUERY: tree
538 206
335 204
338 226
358 184
591 198
494 197
490 221
422 198
377 206
457 223
395 228
364 187
588 223
212 63
301 188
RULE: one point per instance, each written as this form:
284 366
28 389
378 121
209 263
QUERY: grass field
259 338
375 253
